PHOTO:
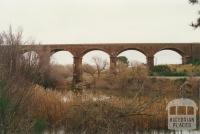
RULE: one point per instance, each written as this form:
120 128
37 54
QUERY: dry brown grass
121 103
99 112
49 105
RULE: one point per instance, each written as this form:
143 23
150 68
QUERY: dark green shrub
173 73
195 61
164 70
36 75
123 59
198 74
161 68
4 103
40 126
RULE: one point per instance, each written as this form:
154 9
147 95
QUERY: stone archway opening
94 56
61 68
61 58
134 57
95 64
164 57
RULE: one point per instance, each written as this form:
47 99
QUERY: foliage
130 76
14 89
14 113
195 62
4 103
165 70
123 59
197 24
32 70
193 1
40 125
161 68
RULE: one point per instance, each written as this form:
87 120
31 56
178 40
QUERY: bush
14 87
40 125
195 62
173 73
126 81
165 70
161 68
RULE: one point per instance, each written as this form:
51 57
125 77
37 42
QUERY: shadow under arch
135 49
58 50
94 49
180 52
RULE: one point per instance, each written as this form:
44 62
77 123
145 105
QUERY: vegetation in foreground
192 69
105 103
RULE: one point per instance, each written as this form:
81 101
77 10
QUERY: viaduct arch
188 51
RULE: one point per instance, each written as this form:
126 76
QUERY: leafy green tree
123 59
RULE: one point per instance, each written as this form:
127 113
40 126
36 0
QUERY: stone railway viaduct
188 51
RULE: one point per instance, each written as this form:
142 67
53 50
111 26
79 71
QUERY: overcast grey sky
101 21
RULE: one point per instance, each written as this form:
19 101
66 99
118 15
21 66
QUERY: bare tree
100 64
14 89
31 58
1 39
10 42
90 70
